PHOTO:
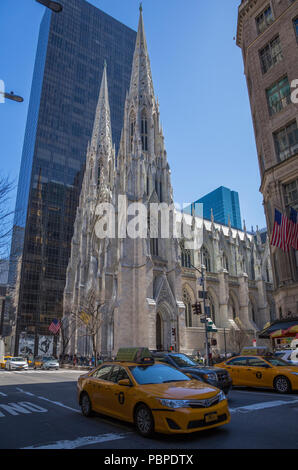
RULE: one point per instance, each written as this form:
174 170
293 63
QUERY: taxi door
235 367
258 373
121 397
97 388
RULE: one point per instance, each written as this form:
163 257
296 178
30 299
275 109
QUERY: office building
72 48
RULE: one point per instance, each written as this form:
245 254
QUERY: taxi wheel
144 421
282 384
86 405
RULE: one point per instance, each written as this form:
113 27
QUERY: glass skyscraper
224 204
72 48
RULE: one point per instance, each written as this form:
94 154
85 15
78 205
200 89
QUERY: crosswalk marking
80 441
262 406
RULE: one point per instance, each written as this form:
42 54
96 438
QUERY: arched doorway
159 342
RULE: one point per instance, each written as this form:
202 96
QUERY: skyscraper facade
225 206
73 47
268 36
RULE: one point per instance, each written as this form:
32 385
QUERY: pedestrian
75 360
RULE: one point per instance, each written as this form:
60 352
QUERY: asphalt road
39 410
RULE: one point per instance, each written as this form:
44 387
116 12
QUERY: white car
288 355
16 363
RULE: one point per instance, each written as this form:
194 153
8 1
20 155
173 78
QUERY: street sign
202 294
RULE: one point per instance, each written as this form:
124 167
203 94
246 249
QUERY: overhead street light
12 96
54 6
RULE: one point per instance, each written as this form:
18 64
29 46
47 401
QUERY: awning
282 325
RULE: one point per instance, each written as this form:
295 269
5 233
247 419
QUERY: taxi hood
192 389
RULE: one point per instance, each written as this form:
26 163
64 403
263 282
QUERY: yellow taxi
154 396
262 371
2 364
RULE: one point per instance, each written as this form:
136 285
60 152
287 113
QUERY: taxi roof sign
255 350
136 354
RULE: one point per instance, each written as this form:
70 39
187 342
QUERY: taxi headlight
210 377
221 396
174 403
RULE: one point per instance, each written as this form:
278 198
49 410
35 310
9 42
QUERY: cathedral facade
127 288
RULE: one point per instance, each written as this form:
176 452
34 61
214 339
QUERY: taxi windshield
157 374
182 360
276 361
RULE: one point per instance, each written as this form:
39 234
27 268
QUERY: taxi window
114 374
122 374
157 374
256 362
102 373
237 361
275 361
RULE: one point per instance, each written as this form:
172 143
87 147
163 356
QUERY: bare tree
238 339
89 315
67 331
6 187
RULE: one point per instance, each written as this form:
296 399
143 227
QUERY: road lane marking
261 406
81 441
48 400
3 394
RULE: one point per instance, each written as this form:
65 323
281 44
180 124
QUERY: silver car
16 363
49 362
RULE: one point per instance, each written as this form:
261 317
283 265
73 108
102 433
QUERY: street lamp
54 6
12 96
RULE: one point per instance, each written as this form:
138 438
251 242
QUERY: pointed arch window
206 259
185 257
225 263
188 311
144 131
132 127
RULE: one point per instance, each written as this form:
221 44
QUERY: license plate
211 417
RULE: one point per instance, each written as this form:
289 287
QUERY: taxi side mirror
125 382
189 375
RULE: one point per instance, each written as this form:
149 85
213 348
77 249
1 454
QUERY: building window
279 96
295 23
225 263
264 20
188 312
186 258
144 132
291 194
286 141
271 54
206 259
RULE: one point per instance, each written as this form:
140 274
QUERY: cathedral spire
102 124
141 77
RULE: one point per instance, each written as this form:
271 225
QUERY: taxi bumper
188 420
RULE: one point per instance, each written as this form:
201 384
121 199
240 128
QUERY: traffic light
196 308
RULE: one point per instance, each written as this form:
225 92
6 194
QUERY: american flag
293 232
281 229
55 326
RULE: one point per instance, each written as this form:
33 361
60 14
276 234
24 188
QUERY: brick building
268 36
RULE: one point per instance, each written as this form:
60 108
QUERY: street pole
204 303
225 343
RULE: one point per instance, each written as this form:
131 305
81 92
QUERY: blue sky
199 80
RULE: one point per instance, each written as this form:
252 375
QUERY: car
219 378
16 363
288 355
262 371
2 364
46 363
154 396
